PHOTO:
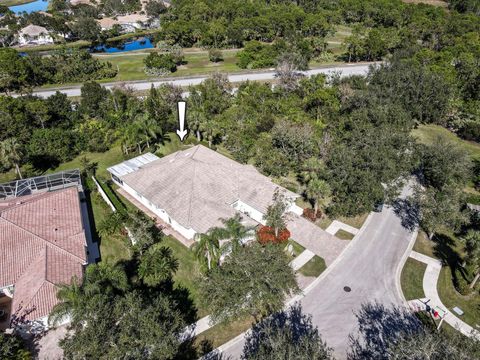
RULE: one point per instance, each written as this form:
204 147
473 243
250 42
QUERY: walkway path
302 259
315 239
370 266
338 225
430 279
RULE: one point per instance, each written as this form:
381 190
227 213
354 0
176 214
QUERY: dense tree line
18 73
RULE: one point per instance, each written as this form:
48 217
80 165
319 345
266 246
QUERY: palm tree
71 300
157 265
318 191
11 154
236 232
149 128
311 169
207 247
472 249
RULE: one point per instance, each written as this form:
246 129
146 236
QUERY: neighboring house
45 240
107 23
128 23
191 190
34 35
132 22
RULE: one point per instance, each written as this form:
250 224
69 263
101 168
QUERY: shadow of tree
285 332
445 251
379 327
408 213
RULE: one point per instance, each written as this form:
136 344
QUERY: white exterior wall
162 214
37 40
249 211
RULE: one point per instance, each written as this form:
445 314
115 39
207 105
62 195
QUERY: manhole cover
347 289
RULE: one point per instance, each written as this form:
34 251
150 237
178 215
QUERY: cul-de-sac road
343 70
370 266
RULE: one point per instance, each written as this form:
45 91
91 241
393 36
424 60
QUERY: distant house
34 35
192 190
107 23
45 241
127 23
132 22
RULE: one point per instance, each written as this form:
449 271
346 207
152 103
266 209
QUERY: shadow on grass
445 251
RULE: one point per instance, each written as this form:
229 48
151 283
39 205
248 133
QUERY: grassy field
427 134
412 279
314 267
131 66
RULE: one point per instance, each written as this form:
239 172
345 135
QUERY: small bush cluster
266 234
311 215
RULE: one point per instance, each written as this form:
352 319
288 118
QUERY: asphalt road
344 70
370 266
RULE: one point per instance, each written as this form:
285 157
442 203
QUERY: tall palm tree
207 248
149 128
235 232
11 154
472 249
318 191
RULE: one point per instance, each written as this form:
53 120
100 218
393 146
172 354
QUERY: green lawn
104 160
412 279
446 247
314 267
427 134
131 66
344 235
14 2
220 334
112 247
297 248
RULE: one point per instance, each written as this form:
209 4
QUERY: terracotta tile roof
43 244
198 186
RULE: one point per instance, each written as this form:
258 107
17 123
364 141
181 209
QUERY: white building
192 190
34 35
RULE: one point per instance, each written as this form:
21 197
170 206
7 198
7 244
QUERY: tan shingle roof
43 244
198 186
34 30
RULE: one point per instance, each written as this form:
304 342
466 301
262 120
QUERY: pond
137 44
38 5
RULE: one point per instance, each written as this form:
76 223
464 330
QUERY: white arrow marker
182 132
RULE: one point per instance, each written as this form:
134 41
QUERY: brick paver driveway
315 239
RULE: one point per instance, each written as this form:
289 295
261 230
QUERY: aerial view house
191 190
45 241
34 35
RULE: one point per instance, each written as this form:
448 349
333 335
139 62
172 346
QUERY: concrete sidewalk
338 225
302 259
430 279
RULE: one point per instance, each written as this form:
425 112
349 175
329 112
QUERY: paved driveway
315 239
370 266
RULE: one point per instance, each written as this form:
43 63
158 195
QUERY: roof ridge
33 197
189 214
46 242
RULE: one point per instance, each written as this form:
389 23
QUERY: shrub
215 55
160 64
266 234
310 214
